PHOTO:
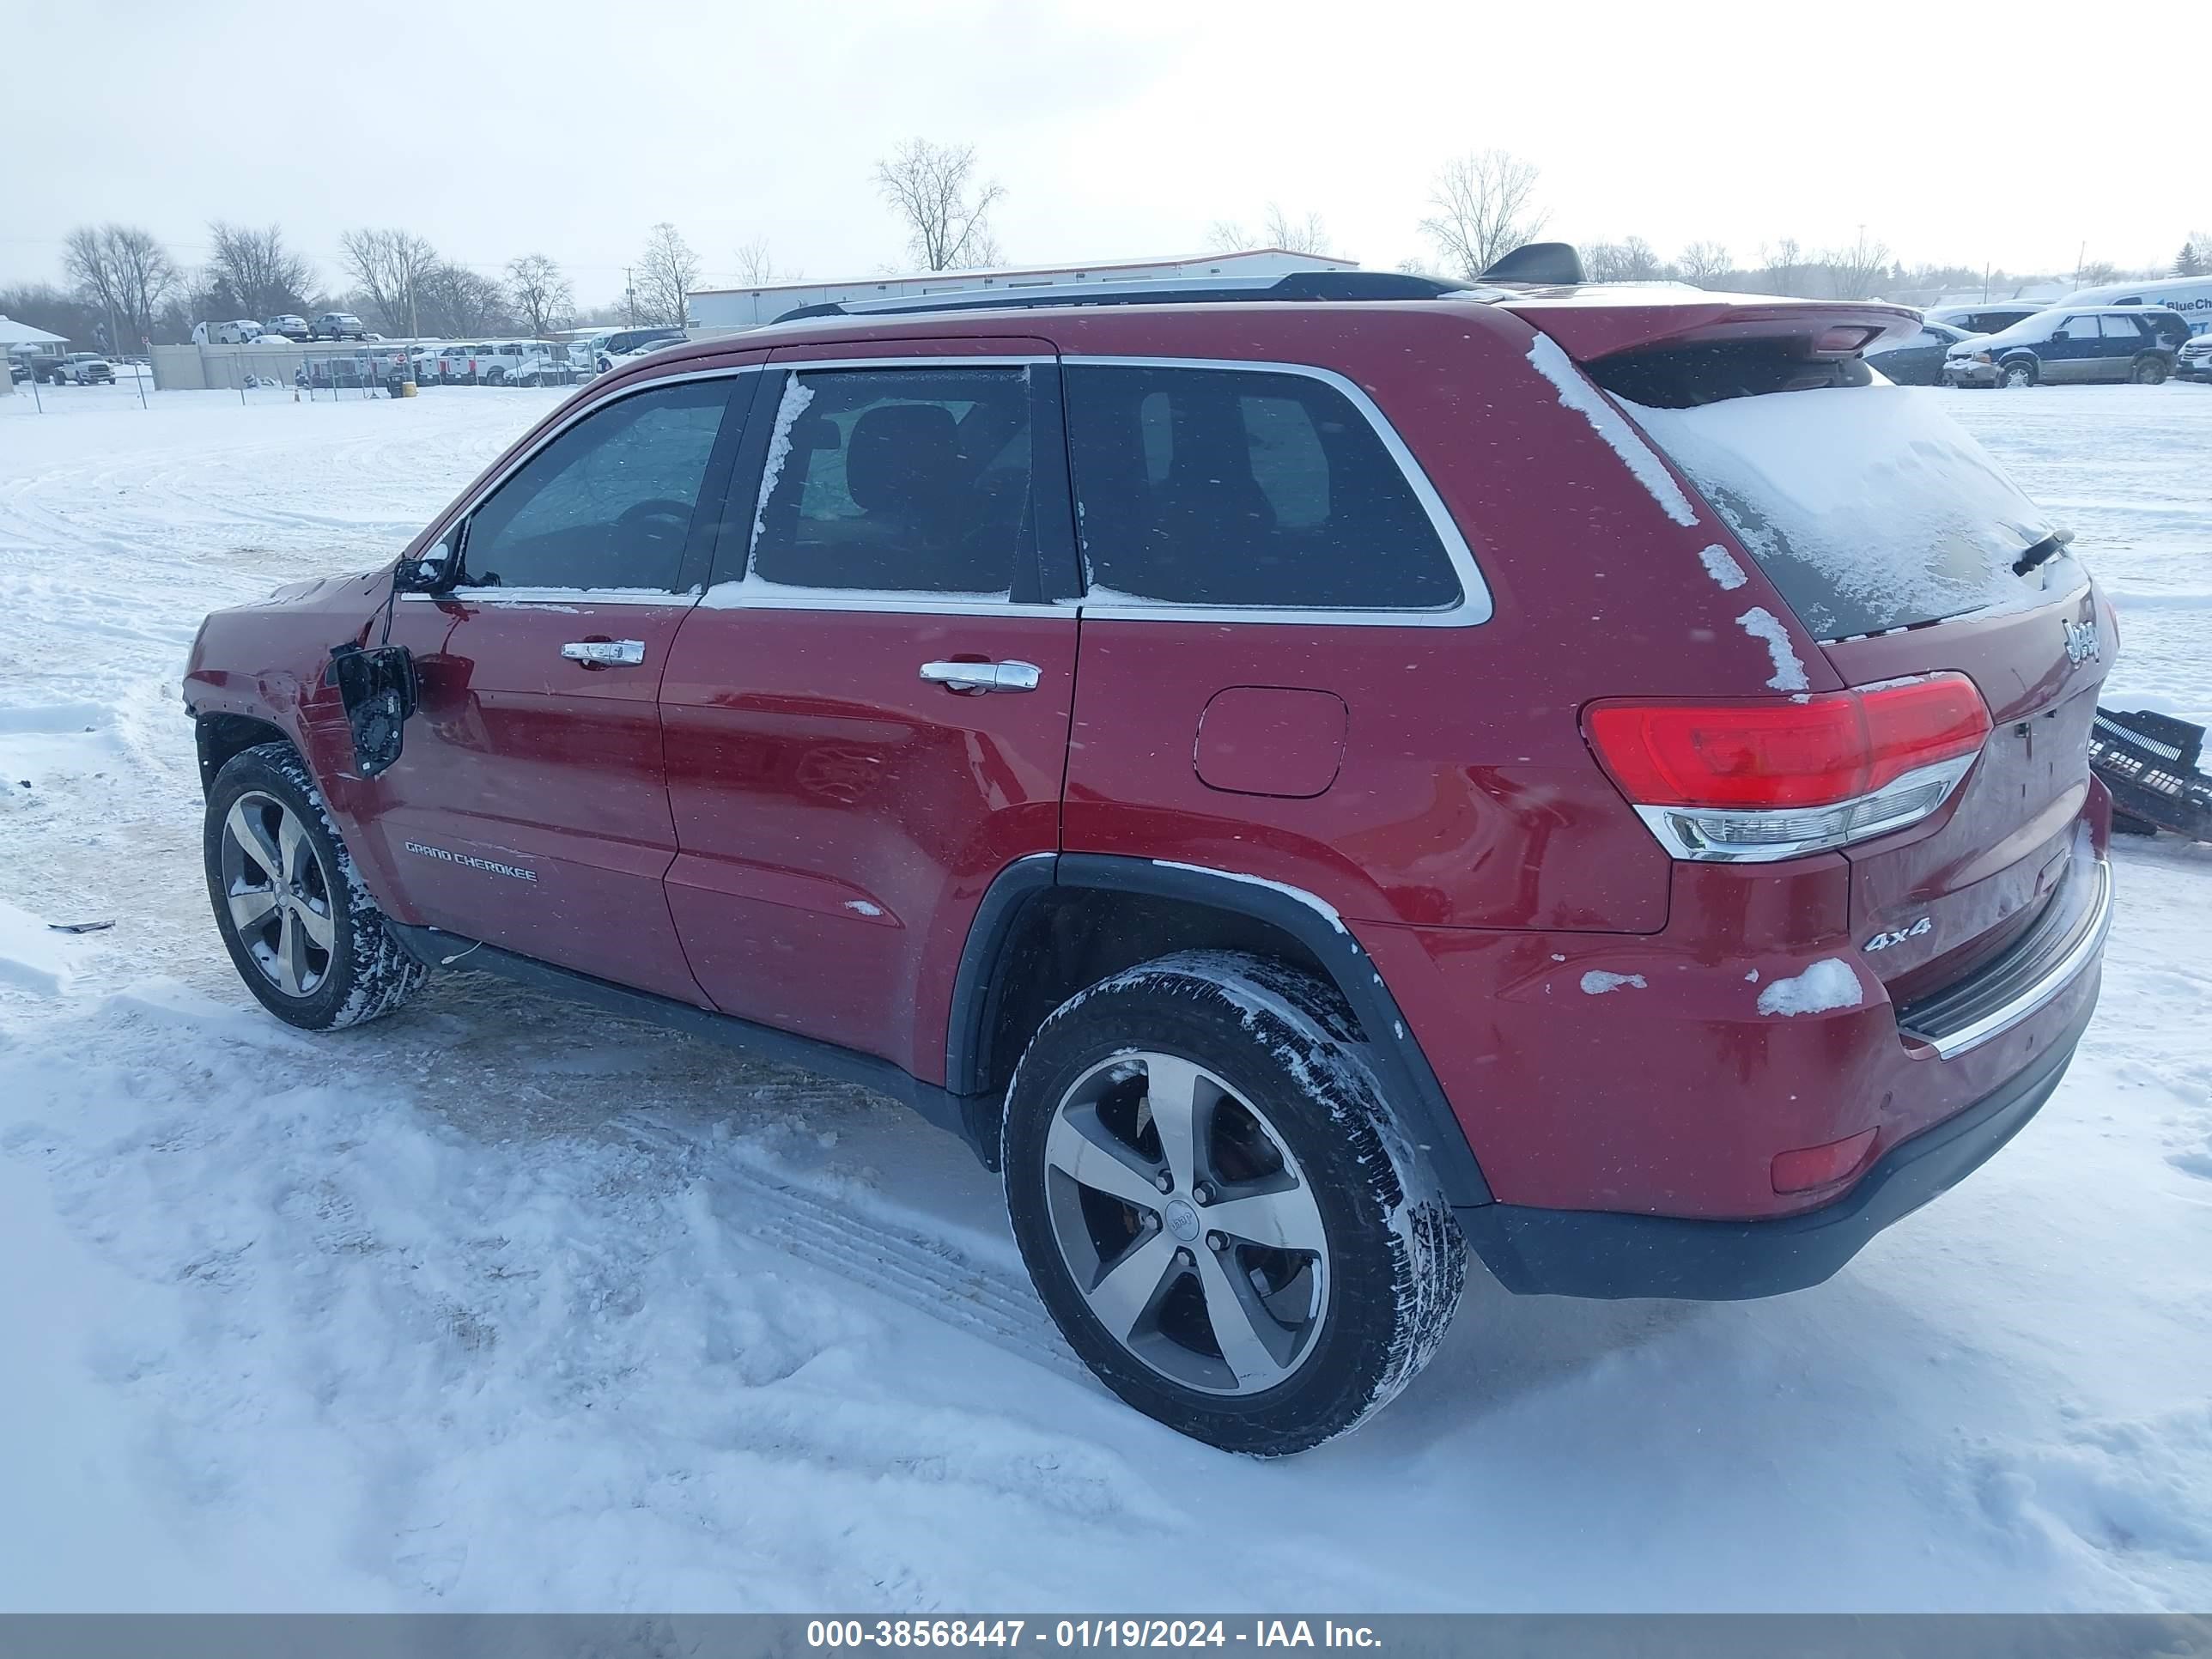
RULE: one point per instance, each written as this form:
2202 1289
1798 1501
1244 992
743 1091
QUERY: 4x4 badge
1883 941
2081 640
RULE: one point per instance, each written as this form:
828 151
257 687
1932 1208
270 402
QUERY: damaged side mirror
435 572
378 687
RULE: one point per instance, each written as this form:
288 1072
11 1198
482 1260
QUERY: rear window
1867 506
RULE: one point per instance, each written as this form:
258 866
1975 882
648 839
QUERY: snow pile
1765 626
1827 985
33 956
1597 982
1873 492
797 394
1721 565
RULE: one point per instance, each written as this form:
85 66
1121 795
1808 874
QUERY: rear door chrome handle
601 653
982 676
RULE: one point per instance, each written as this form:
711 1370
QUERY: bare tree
757 269
1305 235
251 273
1704 264
390 268
1632 261
452 299
1859 270
667 271
542 296
124 274
1782 264
1484 207
947 212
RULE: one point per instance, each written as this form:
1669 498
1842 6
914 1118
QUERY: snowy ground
499 1304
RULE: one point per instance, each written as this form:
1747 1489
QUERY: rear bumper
1592 1254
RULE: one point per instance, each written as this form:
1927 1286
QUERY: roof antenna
1545 265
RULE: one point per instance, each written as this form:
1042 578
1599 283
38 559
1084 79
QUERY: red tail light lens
1832 747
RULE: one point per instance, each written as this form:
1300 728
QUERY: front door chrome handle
602 654
982 676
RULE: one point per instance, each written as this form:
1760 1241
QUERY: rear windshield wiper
2042 550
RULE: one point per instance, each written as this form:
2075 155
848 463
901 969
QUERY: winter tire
2016 376
1218 1209
302 929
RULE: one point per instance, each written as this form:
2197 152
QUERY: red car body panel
778 818
840 819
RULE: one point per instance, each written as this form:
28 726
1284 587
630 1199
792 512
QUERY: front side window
897 480
1229 487
608 504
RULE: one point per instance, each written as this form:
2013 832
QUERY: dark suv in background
2070 345
1300 775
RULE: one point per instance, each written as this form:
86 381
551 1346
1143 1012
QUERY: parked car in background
86 368
19 369
288 326
239 330
546 366
635 343
1918 360
2194 360
500 359
336 325
2190 298
1126 733
2068 346
422 363
1986 317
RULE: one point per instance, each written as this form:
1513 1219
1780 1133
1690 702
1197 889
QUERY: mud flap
378 689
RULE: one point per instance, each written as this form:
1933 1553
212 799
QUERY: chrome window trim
685 596
1474 606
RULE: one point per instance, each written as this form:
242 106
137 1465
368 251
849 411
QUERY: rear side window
1227 487
608 504
907 481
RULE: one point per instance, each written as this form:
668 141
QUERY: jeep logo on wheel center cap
1182 1221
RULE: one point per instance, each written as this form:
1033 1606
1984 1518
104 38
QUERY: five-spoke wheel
1186 1224
278 894
1217 1206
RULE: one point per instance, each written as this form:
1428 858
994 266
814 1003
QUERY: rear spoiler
1605 321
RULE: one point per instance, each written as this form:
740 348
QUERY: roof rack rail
1298 285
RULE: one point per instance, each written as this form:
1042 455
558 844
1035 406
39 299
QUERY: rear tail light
1753 781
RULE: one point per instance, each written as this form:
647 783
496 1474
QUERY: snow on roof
14 333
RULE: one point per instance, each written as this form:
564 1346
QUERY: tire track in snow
928 1273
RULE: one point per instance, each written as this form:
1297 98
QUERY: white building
748 307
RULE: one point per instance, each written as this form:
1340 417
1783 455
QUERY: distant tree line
122 286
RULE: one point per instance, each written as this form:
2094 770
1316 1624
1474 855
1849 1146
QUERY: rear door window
1245 489
909 481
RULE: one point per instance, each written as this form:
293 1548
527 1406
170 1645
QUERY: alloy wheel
1186 1224
277 894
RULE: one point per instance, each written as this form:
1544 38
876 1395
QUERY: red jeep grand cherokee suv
1299 781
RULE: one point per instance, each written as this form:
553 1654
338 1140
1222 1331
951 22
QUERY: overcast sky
1119 127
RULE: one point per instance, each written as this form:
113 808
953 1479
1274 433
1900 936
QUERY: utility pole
629 299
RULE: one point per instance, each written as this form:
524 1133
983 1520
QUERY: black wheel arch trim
1408 1080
